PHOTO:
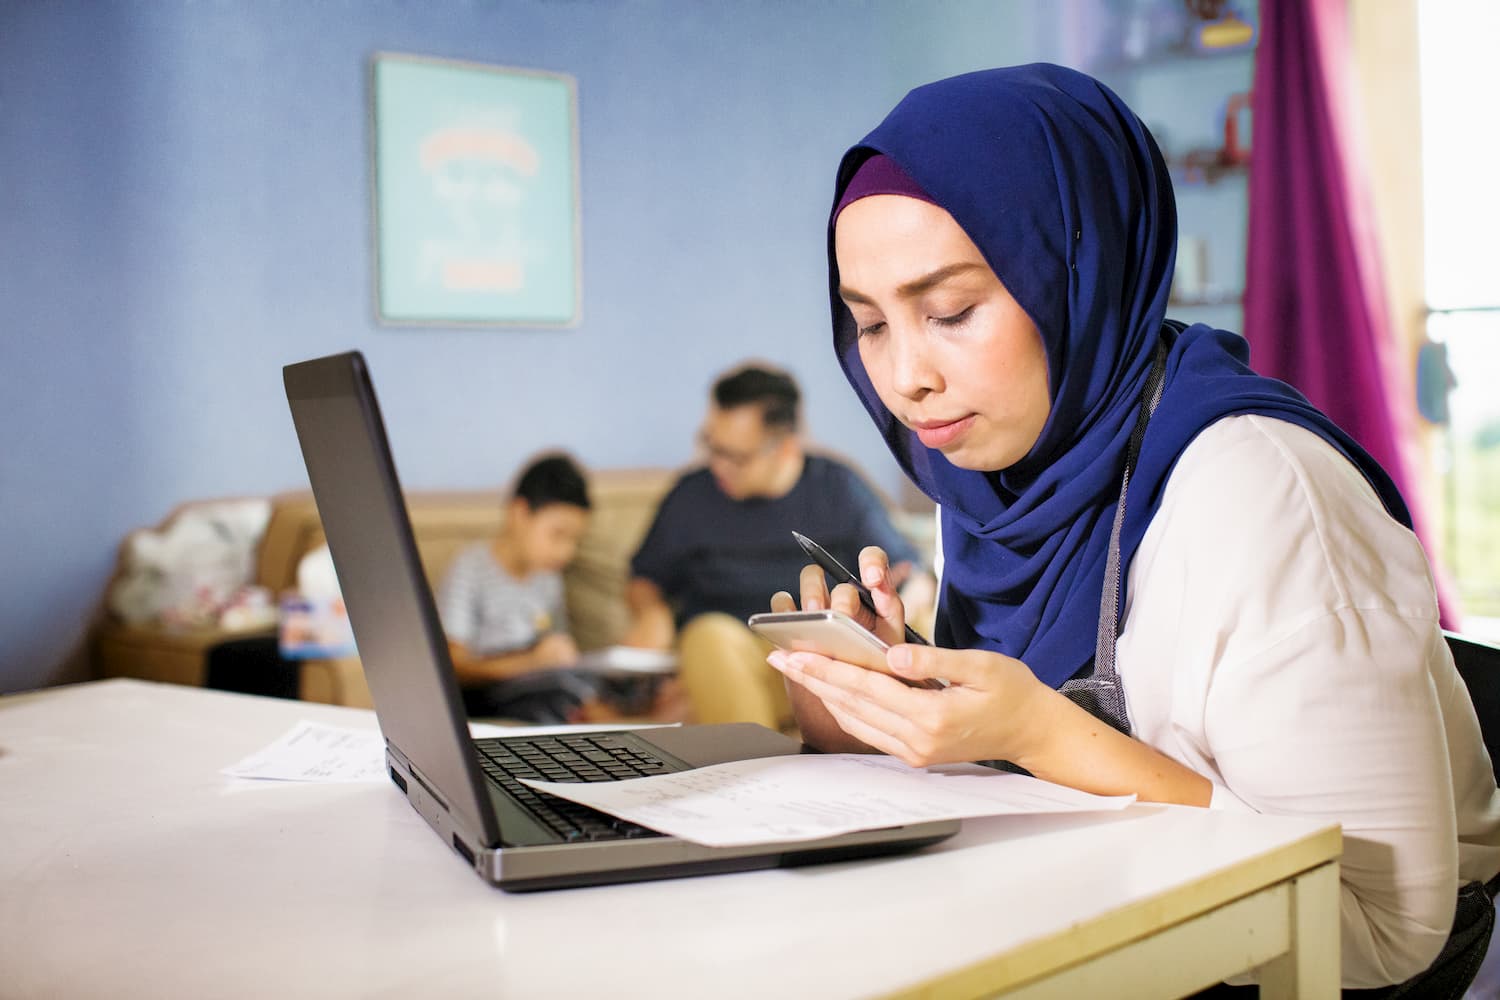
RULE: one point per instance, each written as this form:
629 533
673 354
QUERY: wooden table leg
1310 970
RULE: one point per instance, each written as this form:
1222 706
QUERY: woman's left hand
994 707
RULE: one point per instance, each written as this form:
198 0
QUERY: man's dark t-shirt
710 553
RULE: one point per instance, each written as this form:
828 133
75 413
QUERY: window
1460 160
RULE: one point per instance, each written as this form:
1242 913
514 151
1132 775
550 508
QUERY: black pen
841 574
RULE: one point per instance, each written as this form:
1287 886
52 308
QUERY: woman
1264 636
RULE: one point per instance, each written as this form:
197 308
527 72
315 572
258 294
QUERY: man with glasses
721 545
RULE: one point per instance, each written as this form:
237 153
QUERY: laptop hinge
406 766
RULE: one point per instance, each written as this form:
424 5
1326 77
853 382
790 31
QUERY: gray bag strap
1100 692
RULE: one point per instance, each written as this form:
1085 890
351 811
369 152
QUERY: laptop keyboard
586 757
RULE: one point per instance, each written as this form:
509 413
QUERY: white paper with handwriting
808 796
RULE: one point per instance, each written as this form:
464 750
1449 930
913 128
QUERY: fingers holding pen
814 588
875 574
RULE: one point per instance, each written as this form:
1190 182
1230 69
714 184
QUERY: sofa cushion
625 501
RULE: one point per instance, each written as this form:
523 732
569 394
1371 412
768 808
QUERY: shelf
1174 55
1190 170
1180 39
1205 301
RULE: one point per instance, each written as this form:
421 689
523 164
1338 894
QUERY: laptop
468 789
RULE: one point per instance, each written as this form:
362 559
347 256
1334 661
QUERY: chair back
1451 973
1479 665
1449 976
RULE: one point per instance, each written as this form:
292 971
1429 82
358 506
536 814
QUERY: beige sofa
443 523
624 503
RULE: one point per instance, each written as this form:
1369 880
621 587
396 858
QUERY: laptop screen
396 627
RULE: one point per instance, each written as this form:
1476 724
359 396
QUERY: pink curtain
1315 306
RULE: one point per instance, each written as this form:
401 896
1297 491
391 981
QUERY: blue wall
184 208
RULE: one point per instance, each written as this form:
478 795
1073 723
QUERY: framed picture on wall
475 193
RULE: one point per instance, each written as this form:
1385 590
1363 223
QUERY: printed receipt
314 752
311 751
807 796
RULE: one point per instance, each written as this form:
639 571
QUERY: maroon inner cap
880 175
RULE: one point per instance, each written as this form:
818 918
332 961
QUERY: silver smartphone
842 574
832 633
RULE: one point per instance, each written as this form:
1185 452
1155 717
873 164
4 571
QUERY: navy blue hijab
1065 193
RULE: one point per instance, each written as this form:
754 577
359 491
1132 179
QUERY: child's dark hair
553 479
775 392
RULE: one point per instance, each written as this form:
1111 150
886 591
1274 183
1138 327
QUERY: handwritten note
810 796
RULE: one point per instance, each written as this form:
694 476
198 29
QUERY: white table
130 867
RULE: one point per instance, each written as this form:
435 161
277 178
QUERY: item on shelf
1152 28
1223 29
1201 166
1147 30
1207 164
1190 279
1236 151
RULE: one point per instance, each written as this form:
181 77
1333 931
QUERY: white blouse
1280 638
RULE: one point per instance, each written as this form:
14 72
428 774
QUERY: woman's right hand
982 714
818 726
889 619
